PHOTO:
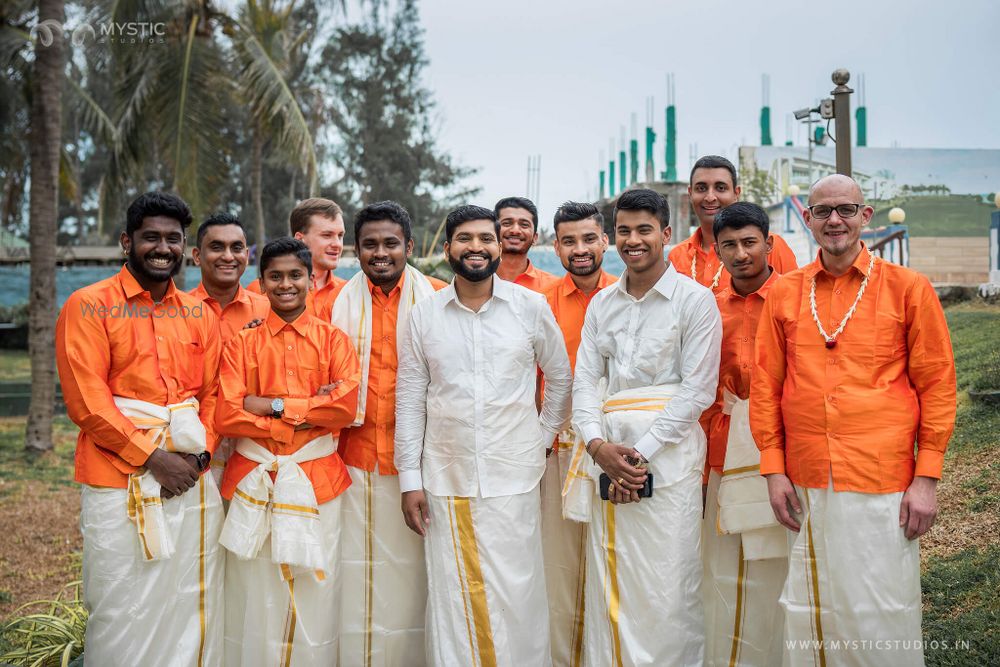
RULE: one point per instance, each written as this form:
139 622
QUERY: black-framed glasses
822 211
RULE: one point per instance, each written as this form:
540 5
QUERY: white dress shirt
466 421
671 335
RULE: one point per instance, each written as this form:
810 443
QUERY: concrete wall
950 259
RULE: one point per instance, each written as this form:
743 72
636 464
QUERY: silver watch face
278 405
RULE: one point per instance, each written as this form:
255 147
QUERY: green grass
15 366
960 600
16 464
957 215
961 604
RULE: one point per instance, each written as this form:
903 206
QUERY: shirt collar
567 286
300 324
860 263
502 289
372 287
242 294
730 293
131 286
665 285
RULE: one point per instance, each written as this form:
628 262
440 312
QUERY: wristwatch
203 460
278 408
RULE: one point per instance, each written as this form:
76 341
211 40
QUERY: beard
140 269
581 271
473 275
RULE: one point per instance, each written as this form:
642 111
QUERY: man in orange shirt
222 255
853 366
382 609
744 549
319 223
714 187
580 244
286 388
518 218
138 364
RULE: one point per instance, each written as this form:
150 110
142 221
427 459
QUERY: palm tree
46 119
269 46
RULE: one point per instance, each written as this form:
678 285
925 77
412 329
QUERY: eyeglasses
822 211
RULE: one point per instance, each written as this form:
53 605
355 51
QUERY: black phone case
645 492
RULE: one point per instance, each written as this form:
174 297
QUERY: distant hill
939 215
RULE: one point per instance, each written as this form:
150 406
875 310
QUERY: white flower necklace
694 272
831 339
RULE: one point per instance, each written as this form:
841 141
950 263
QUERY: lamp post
897 215
842 119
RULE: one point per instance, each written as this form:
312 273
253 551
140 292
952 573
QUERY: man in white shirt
654 337
470 451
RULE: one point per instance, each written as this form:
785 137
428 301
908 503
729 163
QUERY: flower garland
831 339
694 272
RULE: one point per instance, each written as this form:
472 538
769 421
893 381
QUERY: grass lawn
958 215
961 554
15 366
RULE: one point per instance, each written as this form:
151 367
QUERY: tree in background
45 140
381 117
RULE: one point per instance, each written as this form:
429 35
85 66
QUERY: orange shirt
290 360
245 307
569 305
781 259
372 442
535 279
112 340
856 409
740 316
320 300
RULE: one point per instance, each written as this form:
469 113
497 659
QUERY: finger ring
621 481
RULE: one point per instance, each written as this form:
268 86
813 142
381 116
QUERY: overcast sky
558 79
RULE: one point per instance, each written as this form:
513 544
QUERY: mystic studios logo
129 32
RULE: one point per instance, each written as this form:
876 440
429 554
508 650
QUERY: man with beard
580 244
470 450
138 362
286 388
518 219
222 255
382 610
713 187
744 547
319 223
853 367
652 339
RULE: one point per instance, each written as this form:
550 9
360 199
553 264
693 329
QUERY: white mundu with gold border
152 568
384 589
659 356
563 546
836 613
282 586
745 555
468 435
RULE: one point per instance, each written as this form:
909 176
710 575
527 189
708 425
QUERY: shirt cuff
282 431
410 480
772 461
589 432
137 450
929 463
648 446
295 410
